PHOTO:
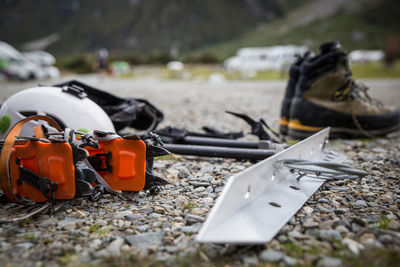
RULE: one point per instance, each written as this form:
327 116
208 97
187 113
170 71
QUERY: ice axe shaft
219 152
174 134
207 141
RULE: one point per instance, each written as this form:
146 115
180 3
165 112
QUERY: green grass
27 237
95 228
296 250
68 259
204 71
374 257
384 222
293 249
271 75
375 70
171 157
189 206
368 257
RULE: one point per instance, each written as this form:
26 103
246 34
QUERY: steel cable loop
322 170
331 165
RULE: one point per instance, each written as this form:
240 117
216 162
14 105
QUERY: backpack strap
5 183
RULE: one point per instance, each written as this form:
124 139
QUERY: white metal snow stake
257 202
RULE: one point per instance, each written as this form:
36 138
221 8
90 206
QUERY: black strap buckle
97 159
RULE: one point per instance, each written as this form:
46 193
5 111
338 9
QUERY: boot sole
283 126
283 129
338 132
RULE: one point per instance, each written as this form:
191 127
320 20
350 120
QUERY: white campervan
264 58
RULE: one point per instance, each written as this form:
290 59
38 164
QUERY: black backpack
123 112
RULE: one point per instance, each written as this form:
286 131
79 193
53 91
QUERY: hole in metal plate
324 143
247 195
274 204
294 187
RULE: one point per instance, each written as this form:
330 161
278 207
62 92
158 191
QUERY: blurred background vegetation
195 31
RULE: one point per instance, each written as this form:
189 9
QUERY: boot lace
360 91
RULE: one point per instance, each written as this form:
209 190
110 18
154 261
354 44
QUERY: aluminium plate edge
258 201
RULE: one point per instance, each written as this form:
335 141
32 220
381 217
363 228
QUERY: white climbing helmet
70 108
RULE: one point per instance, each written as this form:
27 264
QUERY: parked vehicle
33 65
45 60
264 58
365 56
40 57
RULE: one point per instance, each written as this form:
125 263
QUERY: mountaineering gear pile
215 143
326 95
69 109
123 112
65 164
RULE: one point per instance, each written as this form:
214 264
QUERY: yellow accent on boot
283 121
296 124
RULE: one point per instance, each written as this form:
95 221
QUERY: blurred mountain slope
144 26
194 27
358 24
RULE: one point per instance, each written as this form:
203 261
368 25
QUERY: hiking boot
294 73
326 95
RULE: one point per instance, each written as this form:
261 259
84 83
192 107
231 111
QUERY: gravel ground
344 223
